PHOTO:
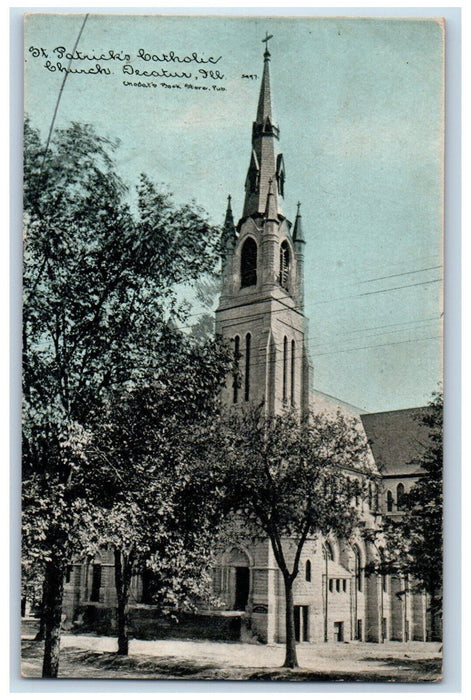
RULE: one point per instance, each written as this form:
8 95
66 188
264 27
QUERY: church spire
298 236
228 230
228 235
264 110
265 164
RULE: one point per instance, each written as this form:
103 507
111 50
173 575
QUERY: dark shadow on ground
347 677
80 663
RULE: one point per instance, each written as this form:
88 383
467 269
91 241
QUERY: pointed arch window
328 551
384 578
284 264
248 263
357 565
389 501
308 570
280 175
248 339
236 371
376 497
400 496
96 583
285 369
293 367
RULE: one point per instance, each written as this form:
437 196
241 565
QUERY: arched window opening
357 565
285 368
308 570
248 263
389 501
284 264
247 366
384 580
400 496
328 551
370 497
236 371
293 360
280 175
96 583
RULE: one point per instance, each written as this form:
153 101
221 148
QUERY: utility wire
328 301
402 274
404 286
66 74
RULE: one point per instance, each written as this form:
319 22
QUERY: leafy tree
415 542
287 478
99 289
149 473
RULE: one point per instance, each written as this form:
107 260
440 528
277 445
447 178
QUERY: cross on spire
265 41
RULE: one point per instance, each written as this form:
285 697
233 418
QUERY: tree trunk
122 576
435 613
52 614
40 633
291 660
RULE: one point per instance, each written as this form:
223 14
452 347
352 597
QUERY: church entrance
242 584
301 620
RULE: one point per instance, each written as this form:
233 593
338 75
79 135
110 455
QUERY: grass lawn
94 657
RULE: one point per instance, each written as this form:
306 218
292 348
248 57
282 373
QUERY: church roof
397 440
319 401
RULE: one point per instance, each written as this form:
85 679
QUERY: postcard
232 347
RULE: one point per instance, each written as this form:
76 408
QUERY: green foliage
415 543
288 476
150 473
100 304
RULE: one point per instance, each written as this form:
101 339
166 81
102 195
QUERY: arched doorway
239 564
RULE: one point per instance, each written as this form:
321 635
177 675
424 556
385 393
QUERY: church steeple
264 110
260 307
265 163
298 235
228 237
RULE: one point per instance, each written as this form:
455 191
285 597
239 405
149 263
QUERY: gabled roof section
397 439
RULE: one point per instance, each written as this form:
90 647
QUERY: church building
261 312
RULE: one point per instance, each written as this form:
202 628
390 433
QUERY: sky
360 110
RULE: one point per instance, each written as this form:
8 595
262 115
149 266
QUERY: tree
149 473
287 478
415 543
99 288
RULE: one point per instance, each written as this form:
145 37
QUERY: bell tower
261 304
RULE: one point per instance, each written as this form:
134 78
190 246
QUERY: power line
404 286
66 74
373 335
325 301
382 345
402 274
328 301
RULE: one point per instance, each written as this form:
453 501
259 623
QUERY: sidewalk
85 656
